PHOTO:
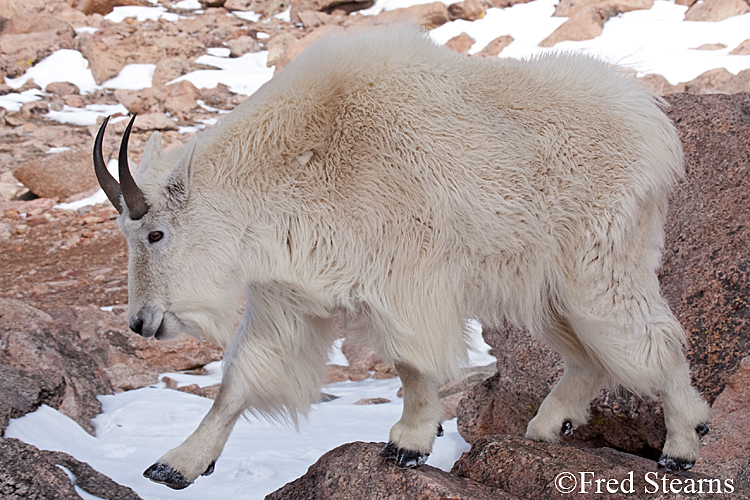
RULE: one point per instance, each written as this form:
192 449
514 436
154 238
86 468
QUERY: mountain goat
384 186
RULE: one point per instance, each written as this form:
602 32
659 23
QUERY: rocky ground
57 347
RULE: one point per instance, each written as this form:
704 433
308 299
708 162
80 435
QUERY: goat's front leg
411 439
196 456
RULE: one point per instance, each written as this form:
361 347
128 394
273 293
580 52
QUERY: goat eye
155 236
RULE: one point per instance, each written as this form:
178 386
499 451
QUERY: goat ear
178 183
152 152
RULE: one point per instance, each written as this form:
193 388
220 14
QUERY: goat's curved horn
130 191
106 181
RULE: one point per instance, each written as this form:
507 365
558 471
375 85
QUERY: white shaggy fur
384 186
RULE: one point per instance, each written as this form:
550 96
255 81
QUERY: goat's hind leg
567 405
411 439
685 411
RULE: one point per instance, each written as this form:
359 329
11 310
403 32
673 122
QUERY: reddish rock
542 471
583 24
45 362
18 52
460 43
218 97
468 10
710 46
742 49
328 6
141 101
359 356
661 85
586 18
102 7
372 401
27 23
719 80
28 473
501 4
725 451
496 46
242 45
338 373
58 175
62 89
312 19
179 99
716 10
277 46
429 15
356 470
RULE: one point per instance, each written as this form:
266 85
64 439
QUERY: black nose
136 325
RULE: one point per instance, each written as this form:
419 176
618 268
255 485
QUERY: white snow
63 65
86 116
243 75
132 77
247 15
14 101
188 5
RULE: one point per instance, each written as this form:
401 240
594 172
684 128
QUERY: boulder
704 278
58 175
468 10
179 99
242 45
429 15
719 80
62 89
460 43
742 49
586 18
18 52
716 10
141 101
583 24
661 85
29 473
327 6
725 451
529 469
102 7
496 46
45 362
710 46
27 23
356 470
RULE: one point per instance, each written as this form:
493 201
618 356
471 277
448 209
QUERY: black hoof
164 474
405 459
440 431
389 451
210 469
670 464
567 428
702 429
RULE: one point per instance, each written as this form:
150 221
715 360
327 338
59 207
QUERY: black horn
106 181
130 191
